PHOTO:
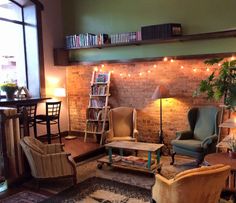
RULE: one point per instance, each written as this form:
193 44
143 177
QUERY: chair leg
59 130
35 129
173 158
48 132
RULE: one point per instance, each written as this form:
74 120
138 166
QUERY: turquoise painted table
150 148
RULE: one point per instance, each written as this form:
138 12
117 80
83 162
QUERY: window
20 46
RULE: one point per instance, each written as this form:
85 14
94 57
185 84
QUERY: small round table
223 158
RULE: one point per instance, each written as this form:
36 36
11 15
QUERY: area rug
24 197
95 190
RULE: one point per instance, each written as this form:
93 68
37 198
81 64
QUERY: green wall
115 16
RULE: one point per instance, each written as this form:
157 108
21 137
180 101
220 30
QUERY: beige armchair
48 160
195 185
122 125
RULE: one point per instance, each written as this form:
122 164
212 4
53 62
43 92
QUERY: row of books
94 127
86 40
95 114
97 102
125 37
98 90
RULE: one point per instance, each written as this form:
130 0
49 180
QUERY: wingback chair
195 185
122 125
201 139
48 160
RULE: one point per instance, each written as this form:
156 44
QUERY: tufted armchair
195 185
202 137
122 125
48 160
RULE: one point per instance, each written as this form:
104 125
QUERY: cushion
34 144
205 124
190 144
122 119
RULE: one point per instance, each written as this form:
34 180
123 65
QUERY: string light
172 60
232 58
140 74
154 66
149 71
103 65
100 70
165 59
208 69
219 64
182 67
129 75
195 70
95 68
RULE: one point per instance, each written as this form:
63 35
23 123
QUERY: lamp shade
60 92
160 92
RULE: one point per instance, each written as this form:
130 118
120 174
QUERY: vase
10 95
232 155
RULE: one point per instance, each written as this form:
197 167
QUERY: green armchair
202 137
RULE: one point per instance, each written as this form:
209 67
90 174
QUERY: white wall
55 76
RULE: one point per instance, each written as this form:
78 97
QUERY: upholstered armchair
195 185
48 160
122 125
202 137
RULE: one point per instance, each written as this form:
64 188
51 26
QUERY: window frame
38 9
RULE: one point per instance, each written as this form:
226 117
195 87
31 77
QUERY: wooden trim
150 59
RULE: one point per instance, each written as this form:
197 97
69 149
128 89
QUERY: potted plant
221 84
9 88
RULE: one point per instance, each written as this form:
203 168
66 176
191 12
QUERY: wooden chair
52 117
29 112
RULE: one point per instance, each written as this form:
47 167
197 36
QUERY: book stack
86 40
162 31
136 161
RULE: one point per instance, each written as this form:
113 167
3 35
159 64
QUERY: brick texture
133 84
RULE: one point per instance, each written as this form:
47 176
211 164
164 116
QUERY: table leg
110 155
121 152
149 160
158 157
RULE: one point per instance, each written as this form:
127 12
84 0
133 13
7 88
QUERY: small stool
52 117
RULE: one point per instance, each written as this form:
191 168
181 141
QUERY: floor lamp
61 92
160 93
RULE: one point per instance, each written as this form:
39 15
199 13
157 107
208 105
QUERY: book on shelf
97 102
98 90
101 77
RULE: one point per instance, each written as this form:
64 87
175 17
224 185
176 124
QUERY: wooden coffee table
223 158
136 146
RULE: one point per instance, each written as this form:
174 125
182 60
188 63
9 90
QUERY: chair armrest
184 135
108 135
161 188
208 140
54 148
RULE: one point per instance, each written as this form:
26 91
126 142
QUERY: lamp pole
161 131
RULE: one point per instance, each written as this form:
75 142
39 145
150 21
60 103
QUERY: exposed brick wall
181 77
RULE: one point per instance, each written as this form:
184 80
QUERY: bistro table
21 101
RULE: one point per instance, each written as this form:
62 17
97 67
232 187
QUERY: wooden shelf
184 38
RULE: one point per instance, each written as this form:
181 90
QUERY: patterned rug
95 190
24 197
